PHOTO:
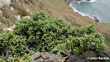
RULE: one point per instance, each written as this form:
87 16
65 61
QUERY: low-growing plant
81 44
58 60
47 56
46 32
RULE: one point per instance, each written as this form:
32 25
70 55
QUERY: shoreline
80 13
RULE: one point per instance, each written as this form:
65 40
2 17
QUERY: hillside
17 10
20 9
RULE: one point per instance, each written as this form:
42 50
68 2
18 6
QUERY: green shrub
46 32
12 43
79 44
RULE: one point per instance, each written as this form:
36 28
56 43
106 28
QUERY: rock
36 55
44 53
69 52
75 58
26 17
4 2
96 19
81 58
39 60
41 56
91 53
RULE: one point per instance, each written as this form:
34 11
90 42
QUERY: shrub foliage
44 33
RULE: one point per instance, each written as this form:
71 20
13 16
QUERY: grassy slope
59 8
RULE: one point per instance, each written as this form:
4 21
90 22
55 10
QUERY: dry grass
8 13
5 22
20 9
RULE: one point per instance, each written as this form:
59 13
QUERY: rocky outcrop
50 57
96 19
45 57
81 58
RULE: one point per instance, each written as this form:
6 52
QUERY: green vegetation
58 60
44 33
47 56
79 44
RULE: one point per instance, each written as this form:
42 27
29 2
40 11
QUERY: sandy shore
4 2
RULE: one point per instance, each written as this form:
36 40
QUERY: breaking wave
81 13
92 0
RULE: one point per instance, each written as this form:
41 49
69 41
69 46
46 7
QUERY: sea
94 8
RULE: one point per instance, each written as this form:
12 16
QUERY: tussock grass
5 22
8 13
20 9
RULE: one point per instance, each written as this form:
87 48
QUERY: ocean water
98 8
